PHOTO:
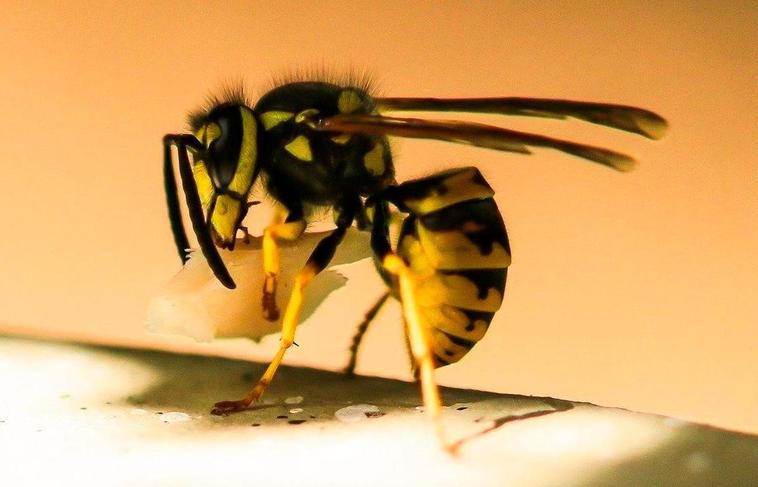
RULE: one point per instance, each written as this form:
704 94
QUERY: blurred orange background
633 290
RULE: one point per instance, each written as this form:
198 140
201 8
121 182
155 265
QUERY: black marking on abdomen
484 279
440 361
458 340
479 221
476 220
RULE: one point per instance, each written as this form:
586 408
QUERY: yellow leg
289 324
284 231
318 261
420 341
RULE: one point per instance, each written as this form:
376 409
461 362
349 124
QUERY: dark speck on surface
255 424
282 416
159 412
461 408
296 421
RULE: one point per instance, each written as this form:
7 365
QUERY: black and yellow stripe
455 241
225 171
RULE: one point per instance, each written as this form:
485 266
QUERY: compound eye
223 151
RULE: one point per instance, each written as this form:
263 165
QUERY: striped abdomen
455 241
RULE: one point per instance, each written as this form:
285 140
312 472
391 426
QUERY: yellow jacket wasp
319 144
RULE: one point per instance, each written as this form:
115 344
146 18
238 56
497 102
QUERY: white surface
75 415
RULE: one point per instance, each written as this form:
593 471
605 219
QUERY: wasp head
225 167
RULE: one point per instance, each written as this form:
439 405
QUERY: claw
223 408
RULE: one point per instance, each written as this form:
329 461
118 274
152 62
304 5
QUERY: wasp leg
245 234
318 260
289 229
370 315
419 336
418 332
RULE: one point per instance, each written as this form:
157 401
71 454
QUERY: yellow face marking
200 134
349 101
274 117
341 139
212 133
225 215
374 160
460 186
300 147
203 182
208 133
243 177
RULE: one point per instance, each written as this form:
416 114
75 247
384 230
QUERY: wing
622 117
467 133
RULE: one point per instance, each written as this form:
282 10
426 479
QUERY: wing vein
479 135
623 117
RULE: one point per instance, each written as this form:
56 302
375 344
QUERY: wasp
319 144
